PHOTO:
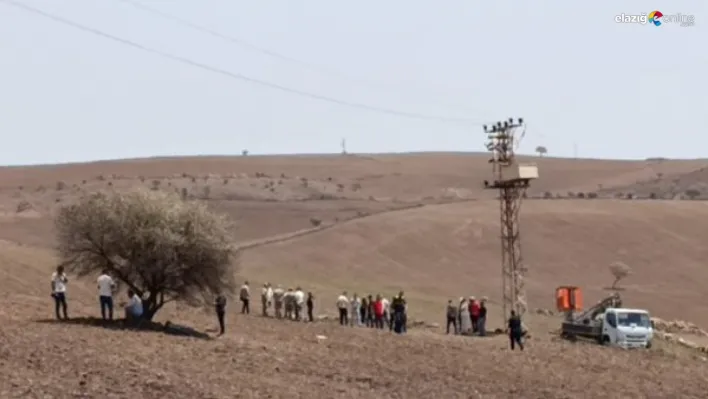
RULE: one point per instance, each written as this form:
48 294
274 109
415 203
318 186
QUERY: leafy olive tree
162 247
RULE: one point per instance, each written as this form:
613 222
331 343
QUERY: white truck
610 324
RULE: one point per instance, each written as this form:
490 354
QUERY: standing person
245 296
289 302
299 299
278 294
388 316
220 307
400 310
465 320
451 317
370 319
355 319
482 321
310 306
474 313
265 300
59 282
379 312
362 311
106 286
515 331
343 305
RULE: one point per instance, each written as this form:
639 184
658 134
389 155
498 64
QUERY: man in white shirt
299 302
134 308
106 286
343 306
59 282
266 297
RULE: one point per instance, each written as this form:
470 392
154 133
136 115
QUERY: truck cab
627 328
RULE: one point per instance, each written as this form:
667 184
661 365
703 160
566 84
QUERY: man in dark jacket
220 307
399 313
515 331
451 317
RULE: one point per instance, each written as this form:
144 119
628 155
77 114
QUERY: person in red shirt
474 313
379 312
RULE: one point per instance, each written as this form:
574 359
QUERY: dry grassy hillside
418 222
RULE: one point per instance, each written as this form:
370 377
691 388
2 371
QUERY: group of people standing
374 312
469 317
107 288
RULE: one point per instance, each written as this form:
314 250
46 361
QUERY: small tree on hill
541 150
693 193
619 271
163 248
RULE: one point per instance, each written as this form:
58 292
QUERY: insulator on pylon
506 124
521 121
485 128
511 121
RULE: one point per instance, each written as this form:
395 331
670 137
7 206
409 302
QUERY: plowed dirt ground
418 222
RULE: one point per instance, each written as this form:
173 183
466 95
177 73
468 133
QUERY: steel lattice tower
511 180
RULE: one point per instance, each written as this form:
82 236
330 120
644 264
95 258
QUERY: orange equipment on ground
569 299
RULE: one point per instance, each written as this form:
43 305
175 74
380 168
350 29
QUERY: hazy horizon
589 87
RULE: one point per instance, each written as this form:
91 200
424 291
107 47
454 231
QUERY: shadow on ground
120 324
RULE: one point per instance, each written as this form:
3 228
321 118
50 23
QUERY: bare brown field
366 224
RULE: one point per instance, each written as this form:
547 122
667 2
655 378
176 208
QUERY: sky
586 85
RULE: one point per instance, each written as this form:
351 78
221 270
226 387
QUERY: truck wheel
648 345
605 340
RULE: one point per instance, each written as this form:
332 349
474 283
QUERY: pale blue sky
577 76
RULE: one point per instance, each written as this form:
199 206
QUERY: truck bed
581 330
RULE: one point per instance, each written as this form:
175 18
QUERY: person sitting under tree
134 307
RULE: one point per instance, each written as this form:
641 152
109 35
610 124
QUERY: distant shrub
20 188
83 181
629 196
592 195
581 195
356 187
652 195
194 179
692 193
142 179
23 206
226 181
619 195
282 176
100 177
207 192
340 187
315 221
571 194
61 185
110 184
547 195
155 184
184 194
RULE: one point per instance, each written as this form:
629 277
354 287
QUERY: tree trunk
614 284
152 305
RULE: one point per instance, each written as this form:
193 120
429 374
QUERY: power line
240 42
235 75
